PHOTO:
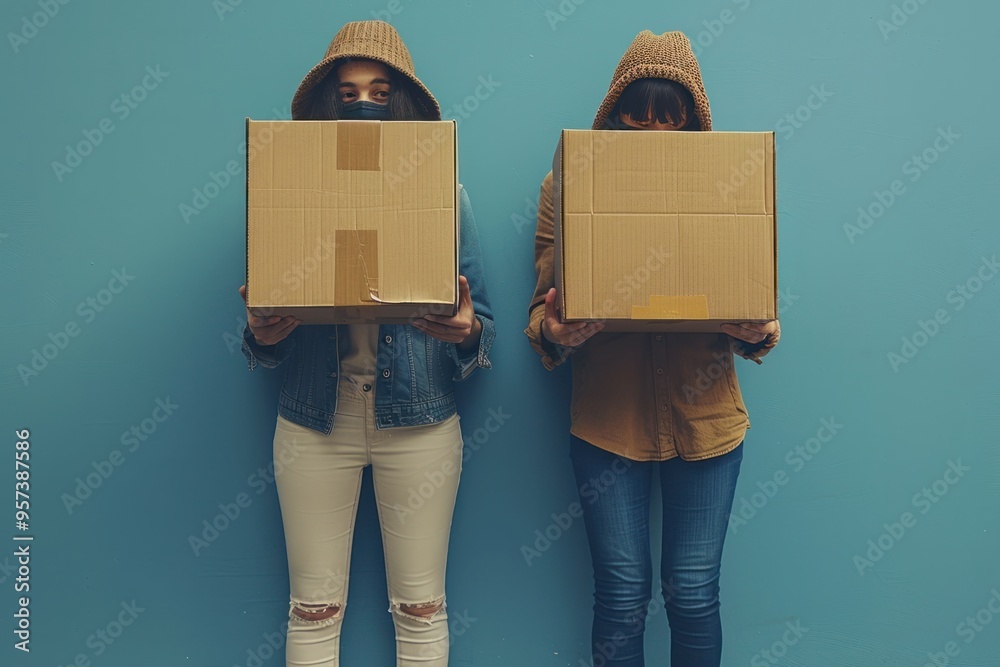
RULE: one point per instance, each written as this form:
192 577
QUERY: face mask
365 110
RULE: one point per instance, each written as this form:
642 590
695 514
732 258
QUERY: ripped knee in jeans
322 613
425 612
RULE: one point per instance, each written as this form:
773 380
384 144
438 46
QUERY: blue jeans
697 499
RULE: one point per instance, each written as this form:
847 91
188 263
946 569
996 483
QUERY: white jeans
416 472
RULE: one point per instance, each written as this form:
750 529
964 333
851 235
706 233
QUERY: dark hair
668 99
324 99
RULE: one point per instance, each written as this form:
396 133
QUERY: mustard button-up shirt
645 396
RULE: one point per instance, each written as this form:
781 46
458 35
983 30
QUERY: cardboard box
352 221
665 231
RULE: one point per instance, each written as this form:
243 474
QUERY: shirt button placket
662 395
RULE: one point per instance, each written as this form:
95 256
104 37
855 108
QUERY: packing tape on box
356 266
687 307
359 146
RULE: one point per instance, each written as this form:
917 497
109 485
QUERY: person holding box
379 395
641 404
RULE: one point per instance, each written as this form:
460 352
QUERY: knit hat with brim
666 56
375 40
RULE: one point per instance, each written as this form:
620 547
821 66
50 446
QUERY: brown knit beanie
666 56
375 40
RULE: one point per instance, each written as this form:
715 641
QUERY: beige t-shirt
359 358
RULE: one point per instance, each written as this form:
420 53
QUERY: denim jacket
414 373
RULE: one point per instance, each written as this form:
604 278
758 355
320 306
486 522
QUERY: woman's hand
570 334
268 330
753 332
463 328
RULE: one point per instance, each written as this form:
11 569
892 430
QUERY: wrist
545 334
472 339
553 346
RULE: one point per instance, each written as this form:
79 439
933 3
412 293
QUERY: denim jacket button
367 387
385 373
388 339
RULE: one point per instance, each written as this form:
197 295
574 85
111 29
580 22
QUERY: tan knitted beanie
666 56
376 40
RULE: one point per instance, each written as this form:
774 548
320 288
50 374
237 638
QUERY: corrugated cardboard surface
352 221
666 230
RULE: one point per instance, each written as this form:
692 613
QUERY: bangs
669 101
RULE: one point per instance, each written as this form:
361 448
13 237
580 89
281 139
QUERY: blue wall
881 93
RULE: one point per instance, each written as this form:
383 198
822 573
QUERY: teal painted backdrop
865 531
